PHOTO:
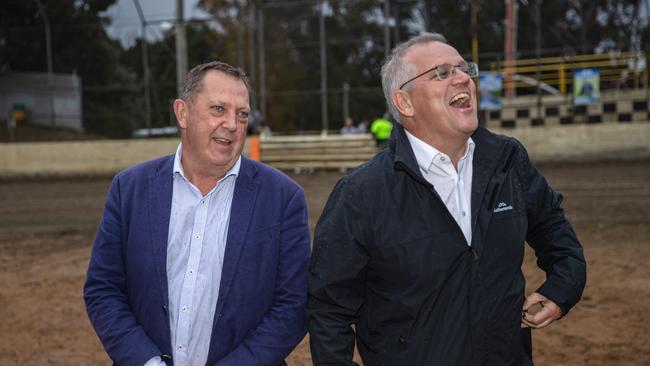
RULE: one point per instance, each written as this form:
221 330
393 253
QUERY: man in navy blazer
201 257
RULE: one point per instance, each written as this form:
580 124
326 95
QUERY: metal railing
558 71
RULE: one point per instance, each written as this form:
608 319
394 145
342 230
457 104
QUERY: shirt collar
425 153
178 167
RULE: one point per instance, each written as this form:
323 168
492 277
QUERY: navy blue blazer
260 313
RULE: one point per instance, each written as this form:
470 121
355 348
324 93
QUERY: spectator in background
623 81
363 126
348 128
381 129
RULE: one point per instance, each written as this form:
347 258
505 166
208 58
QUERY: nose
459 76
230 121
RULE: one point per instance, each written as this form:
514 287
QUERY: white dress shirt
198 229
453 186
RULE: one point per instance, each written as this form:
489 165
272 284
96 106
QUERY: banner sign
586 86
490 88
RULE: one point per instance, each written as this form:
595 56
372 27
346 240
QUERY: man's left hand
545 316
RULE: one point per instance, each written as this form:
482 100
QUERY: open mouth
460 100
222 141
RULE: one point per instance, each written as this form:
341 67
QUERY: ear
402 102
180 110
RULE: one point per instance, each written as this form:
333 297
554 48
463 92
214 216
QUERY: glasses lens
472 70
443 71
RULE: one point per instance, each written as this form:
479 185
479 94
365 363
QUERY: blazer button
402 339
164 308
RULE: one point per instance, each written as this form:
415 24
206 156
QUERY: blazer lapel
160 206
241 212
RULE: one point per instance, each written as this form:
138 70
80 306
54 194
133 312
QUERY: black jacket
389 258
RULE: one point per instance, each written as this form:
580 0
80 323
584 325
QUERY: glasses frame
470 67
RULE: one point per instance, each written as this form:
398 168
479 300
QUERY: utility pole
510 45
323 68
260 40
346 100
240 45
396 37
251 52
145 66
538 55
427 15
181 47
386 29
474 33
48 50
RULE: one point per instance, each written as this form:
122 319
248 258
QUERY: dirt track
46 228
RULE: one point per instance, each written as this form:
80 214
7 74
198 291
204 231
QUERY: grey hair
395 71
192 83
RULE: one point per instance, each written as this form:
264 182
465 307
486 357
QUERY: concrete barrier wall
613 106
103 157
548 143
583 142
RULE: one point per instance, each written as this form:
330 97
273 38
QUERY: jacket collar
490 156
486 149
402 153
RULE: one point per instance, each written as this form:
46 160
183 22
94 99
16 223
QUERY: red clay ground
46 228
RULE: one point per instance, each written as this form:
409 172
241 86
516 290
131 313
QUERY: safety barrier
613 107
317 152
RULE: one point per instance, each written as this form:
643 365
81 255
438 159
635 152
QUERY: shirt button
191 271
464 213
180 346
184 308
442 158
203 202
198 236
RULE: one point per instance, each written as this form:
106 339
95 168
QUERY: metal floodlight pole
346 100
181 47
260 40
251 52
510 46
145 66
386 34
396 37
474 33
538 54
386 29
323 68
427 15
48 50
240 45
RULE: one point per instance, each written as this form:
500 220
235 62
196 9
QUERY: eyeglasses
445 70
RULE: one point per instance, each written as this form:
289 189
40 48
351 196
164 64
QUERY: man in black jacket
421 248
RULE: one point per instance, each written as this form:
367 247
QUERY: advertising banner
491 89
586 86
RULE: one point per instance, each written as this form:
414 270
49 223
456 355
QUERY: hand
549 312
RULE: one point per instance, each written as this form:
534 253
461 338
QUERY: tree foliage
79 45
113 81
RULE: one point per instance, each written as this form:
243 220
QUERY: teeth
459 96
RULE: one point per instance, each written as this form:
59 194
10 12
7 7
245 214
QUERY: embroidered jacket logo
502 207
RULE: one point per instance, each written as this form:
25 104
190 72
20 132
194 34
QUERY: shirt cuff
156 361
